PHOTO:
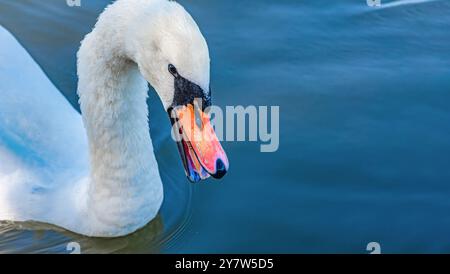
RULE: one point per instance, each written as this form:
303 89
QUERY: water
364 118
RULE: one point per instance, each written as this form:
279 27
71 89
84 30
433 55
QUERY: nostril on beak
220 169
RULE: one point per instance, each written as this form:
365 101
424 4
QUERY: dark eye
173 70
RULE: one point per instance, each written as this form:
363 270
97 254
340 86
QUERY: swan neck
124 177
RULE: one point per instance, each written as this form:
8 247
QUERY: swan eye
173 70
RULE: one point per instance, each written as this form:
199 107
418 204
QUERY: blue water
364 128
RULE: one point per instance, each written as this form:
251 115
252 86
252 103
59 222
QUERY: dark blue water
364 127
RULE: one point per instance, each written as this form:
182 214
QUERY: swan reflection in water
35 237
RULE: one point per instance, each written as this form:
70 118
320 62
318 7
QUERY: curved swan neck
124 181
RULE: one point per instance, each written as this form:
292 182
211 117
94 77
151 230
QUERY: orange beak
199 147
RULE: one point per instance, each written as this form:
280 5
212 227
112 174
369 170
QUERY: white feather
94 174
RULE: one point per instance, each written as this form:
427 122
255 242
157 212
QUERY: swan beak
199 147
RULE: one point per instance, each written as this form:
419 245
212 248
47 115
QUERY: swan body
96 173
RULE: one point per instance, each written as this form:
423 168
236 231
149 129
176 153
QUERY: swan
96 174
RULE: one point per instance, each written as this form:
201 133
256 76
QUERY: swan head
173 57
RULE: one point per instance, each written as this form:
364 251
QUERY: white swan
96 174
